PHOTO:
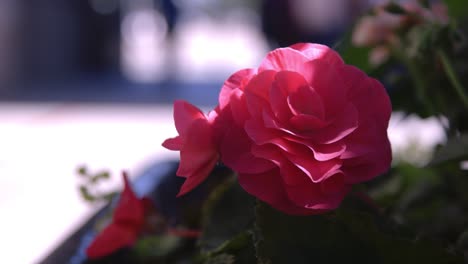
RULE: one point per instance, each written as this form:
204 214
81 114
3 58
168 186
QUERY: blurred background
92 82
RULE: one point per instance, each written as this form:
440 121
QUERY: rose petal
111 239
278 103
305 101
381 102
323 152
311 196
334 184
198 154
268 187
220 122
129 209
260 134
198 148
198 176
185 114
315 170
270 122
283 59
260 85
343 125
307 123
127 221
174 143
236 153
270 133
315 51
302 163
257 92
326 82
236 81
363 140
304 195
367 95
239 109
290 173
285 83
366 167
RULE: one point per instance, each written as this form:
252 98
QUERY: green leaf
455 149
221 259
86 195
306 239
392 248
357 56
228 212
234 244
394 8
227 225
457 8
104 175
462 242
425 3
337 238
157 246
83 171
240 248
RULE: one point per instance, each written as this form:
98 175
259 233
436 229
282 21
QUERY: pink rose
302 128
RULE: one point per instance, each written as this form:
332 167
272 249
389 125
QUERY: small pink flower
436 13
379 55
377 29
299 130
382 26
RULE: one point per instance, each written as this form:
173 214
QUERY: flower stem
418 79
453 78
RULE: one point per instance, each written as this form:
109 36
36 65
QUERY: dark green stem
453 78
419 82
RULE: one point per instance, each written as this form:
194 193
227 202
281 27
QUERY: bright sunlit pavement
42 145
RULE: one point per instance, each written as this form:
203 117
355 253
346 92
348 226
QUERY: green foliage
429 201
239 248
457 8
455 149
357 56
86 195
221 259
394 8
340 237
157 246
355 231
89 188
229 216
